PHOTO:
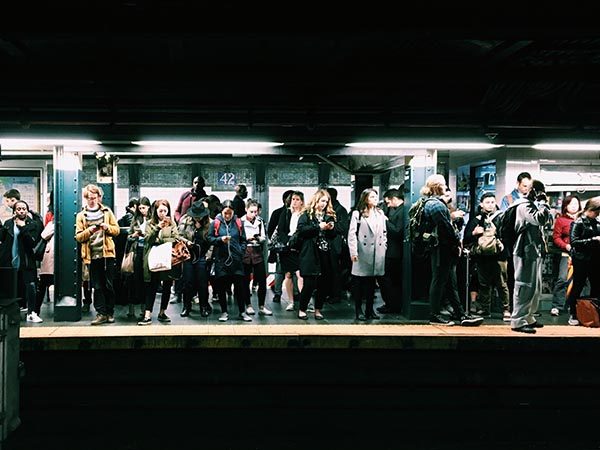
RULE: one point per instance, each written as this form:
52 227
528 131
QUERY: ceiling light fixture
566 147
424 145
45 144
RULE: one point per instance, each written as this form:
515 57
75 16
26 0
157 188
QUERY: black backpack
505 227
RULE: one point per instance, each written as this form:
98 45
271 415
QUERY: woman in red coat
571 207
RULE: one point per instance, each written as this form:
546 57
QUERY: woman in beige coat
46 267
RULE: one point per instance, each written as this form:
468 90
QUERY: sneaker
440 320
573 321
290 307
470 321
554 312
506 316
100 319
85 308
483 313
447 312
110 319
310 308
145 321
224 317
33 317
163 318
245 317
250 310
175 299
276 298
264 310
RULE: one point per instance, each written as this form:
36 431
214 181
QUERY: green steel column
415 298
67 266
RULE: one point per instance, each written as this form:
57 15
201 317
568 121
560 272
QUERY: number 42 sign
226 179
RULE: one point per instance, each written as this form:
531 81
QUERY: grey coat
368 244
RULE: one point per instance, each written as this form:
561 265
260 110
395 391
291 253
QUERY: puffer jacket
583 246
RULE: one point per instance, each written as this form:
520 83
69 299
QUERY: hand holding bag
180 253
159 257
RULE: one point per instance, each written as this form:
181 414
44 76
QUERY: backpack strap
238 222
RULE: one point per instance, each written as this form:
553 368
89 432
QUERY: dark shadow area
294 399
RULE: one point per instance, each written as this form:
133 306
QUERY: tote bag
159 257
127 263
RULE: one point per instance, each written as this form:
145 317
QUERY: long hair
297 194
362 205
158 203
137 217
433 185
311 208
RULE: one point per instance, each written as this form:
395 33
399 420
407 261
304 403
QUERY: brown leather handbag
180 253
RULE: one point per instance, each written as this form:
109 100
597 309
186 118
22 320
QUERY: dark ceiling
176 68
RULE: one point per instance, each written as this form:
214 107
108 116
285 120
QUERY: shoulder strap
217 225
239 224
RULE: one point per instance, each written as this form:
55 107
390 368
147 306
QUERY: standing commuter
316 230
136 238
520 191
290 259
193 228
271 227
491 268
254 262
561 236
227 235
391 283
95 228
367 240
160 229
46 267
532 213
444 256
18 237
341 257
585 251
239 201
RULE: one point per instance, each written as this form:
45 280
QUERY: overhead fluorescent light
576 147
425 145
44 144
203 145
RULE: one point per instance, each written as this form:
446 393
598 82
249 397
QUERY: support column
324 172
134 180
67 265
417 273
359 184
261 193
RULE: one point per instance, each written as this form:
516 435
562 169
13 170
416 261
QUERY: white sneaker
506 316
264 310
573 321
310 308
245 317
224 317
554 312
33 317
290 307
250 310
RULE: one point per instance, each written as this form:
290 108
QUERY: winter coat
29 235
529 225
310 257
47 265
369 244
562 231
83 234
227 257
395 233
255 249
583 246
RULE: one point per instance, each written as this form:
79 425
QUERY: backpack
505 222
488 243
238 222
588 312
423 237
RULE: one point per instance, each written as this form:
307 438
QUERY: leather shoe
373 316
185 312
361 317
204 312
525 329
536 324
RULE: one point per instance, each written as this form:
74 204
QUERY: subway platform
285 384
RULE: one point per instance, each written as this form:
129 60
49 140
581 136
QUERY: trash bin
10 366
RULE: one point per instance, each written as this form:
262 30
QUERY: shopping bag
127 263
180 253
159 257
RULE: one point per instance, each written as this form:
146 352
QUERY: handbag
179 253
40 249
159 257
127 263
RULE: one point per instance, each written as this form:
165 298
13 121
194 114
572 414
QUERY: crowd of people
322 253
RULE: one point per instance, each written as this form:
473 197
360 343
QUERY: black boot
185 312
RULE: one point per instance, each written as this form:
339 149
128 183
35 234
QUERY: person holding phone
95 228
137 238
